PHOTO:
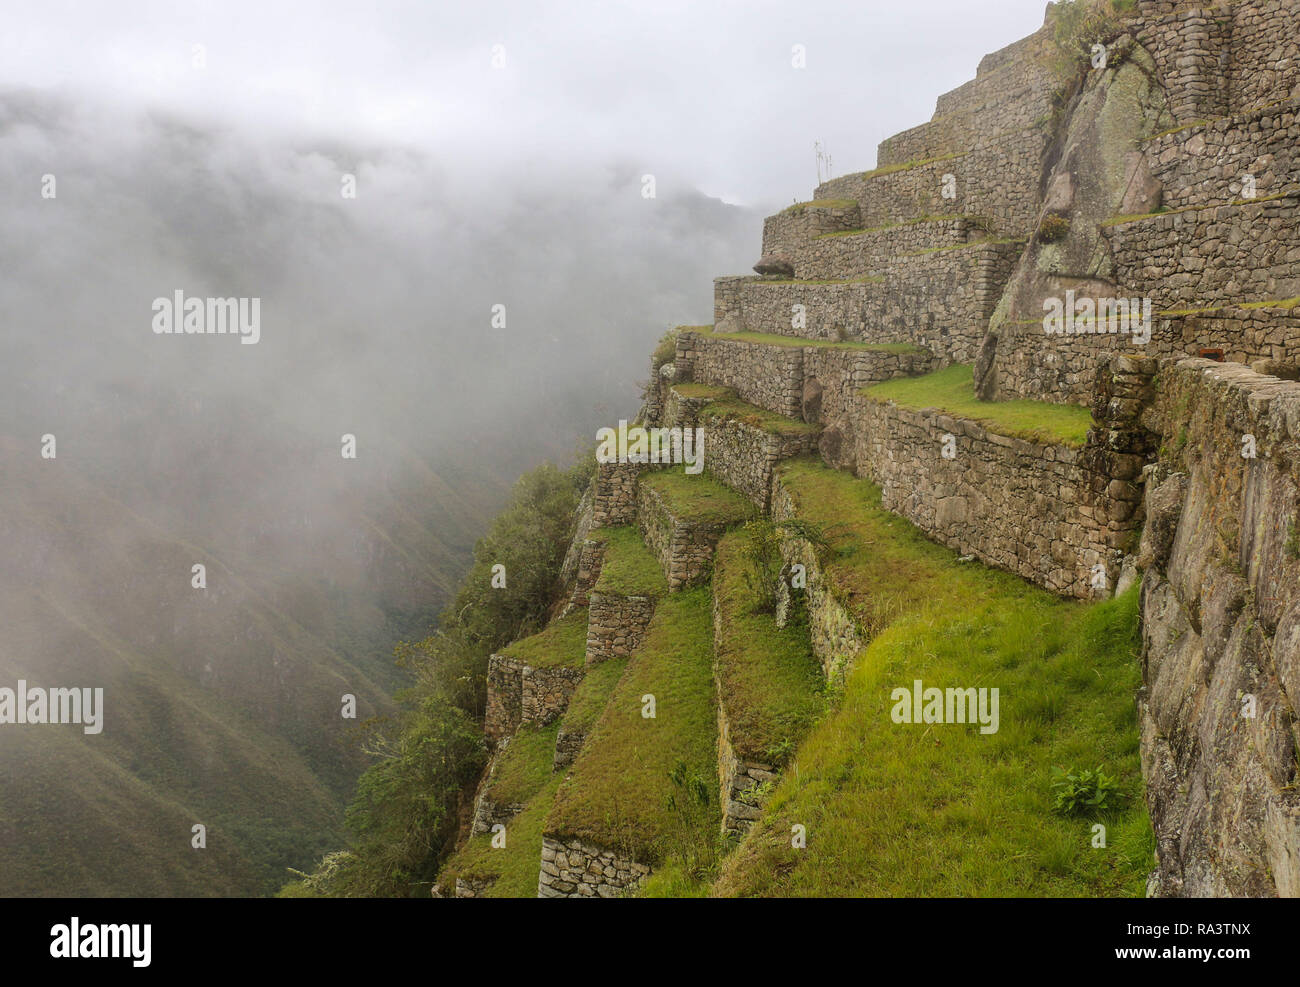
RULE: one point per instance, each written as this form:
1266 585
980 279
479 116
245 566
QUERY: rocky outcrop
1221 633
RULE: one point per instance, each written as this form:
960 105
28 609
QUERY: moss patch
951 390
733 409
706 392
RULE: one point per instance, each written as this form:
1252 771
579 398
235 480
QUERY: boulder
775 264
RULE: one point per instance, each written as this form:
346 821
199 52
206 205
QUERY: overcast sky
697 92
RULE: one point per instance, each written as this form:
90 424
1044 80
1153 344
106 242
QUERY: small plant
762 554
1077 793
691 840
1053 229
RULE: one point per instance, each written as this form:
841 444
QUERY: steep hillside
988 584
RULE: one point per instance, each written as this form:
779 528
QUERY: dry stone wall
1221 633
573 869
518 693
616 625
1218 255
614 497
1208 163
683 545
743 456
800 223
773 377
1049 513
940 300
847 256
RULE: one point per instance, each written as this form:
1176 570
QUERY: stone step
798 379
857 254
681 517
939 299
1212 255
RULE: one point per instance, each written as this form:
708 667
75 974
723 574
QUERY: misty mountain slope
223 703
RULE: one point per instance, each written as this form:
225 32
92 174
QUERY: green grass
1122 220
770 683
733 409
699 497
629 568
986 242
905 166
774 339
707 392
951 390
524 767
902 810
617 793
562 644
592 695
1283 303
894 226
522 775
514 868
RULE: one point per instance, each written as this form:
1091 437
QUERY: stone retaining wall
836 637
518 693
773 377
798 224
1207 164
998 180
1047 512
567 745
683 545
572 869
1220 623
743 456
616 625
856 255
1219 255
939 300
614 497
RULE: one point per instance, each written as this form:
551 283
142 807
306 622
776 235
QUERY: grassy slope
524 775
952 390
629 568
769 681
700 497
901 810
616 795
562 644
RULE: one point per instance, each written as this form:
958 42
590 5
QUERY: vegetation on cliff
403 819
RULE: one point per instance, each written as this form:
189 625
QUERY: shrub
1077 793
1053 229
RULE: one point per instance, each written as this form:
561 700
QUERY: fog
146 149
